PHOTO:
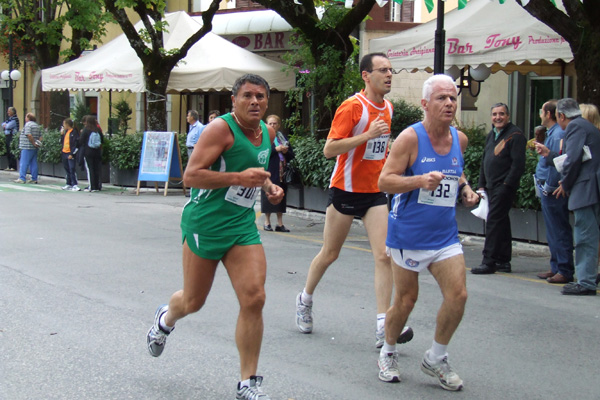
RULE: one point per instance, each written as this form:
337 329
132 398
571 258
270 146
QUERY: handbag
291 175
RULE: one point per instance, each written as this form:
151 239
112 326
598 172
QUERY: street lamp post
440 40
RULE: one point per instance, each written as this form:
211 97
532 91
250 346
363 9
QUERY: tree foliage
39 27
327 50
148 44
579 26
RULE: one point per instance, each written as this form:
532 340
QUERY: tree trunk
60 109
587 65
156 91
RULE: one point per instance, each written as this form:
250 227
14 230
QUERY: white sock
437 352
306 298
388 348
245 383
380 321
163 324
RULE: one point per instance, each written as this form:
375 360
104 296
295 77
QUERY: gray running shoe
388 367
252 392
156 336
448 378
405 336
304 319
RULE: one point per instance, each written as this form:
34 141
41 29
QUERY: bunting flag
462 4
398 1
429 5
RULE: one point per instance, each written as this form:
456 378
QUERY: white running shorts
418 260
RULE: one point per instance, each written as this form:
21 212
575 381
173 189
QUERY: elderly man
194 132
555 209
425 167
11 127
580 183
502 166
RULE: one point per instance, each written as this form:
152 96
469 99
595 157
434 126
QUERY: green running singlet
229 210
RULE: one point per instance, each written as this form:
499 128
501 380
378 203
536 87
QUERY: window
395 12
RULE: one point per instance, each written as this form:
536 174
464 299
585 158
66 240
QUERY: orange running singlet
358 170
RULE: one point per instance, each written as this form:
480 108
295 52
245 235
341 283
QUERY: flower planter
46 169
123 177
524 224
315 199
295 196
467 222
3 162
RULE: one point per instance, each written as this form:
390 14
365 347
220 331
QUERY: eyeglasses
384 70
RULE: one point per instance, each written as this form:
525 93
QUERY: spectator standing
590 112
11 128
29 143
70 146
194 132
281 154
555 210
502 166
580 182
90 143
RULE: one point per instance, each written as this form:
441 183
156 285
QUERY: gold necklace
257 131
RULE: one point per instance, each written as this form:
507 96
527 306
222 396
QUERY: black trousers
93 161
12 161
498 236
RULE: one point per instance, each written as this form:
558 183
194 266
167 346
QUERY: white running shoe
157 337
448 378
252 392
67 187
304 319
76 188
388 367
405 336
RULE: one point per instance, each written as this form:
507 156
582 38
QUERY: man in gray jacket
580 183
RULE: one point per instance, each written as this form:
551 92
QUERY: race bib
443 196
242 196
376 148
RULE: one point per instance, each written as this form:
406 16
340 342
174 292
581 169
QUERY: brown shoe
545 275
558 278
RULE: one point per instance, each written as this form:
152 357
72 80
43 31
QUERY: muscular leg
198 276
407 290
376 225
451 277
337 226
247 269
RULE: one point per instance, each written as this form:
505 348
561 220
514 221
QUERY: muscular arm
402 156
216 139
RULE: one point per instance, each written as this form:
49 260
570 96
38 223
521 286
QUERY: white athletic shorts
418 260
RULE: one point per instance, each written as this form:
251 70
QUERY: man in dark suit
502 166
580 183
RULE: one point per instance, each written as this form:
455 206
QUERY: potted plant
124 156
315 170
49 157
3 157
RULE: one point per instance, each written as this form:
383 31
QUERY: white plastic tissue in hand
482 210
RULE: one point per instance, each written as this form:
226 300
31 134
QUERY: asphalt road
81 275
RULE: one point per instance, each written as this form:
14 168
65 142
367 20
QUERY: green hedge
315 169
51 147
125 150
2 144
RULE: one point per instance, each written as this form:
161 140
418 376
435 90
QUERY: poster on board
160 158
